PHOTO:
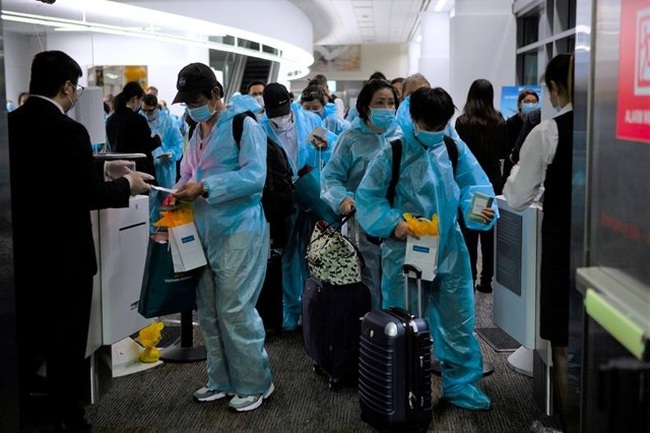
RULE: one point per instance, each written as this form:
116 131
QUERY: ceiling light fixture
440 5
147 26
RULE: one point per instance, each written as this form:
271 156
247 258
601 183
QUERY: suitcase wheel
317 369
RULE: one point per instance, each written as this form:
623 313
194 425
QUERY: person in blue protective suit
355 149
224 183
403 117
171 148
289 125
313 99
165 157
427 186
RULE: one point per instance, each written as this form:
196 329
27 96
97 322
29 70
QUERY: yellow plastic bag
149 336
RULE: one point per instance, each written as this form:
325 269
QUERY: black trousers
472 238
55 329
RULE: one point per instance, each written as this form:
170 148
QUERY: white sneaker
207 394
251 402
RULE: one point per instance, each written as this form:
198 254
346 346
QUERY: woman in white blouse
546 158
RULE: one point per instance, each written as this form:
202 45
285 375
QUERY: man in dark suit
55 182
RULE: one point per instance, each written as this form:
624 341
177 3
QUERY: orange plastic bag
174 213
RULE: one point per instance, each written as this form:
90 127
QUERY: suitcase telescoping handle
409 270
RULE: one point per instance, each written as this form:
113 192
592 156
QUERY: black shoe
484 288
77 426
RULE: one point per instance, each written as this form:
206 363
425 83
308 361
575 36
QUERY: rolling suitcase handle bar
409 269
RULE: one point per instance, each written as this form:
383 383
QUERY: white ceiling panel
392 21
335 22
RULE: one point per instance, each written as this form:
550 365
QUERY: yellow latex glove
422 226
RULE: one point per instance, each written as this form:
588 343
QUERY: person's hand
304 170
190 191
138 181
347 206
319 143
487 215
401 231
118 168
165 157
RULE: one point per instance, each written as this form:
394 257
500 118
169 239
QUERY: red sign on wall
633 110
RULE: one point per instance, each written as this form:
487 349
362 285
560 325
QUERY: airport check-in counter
515 297
121 237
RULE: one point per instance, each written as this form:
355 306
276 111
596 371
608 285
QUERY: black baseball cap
277 101
192 80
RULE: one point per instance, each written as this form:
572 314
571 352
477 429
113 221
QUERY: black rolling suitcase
269 304
395 367
331 324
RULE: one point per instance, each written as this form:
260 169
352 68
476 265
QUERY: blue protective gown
331 119
234 234
426 186
352 114
299 225
340 178
403 119
171 142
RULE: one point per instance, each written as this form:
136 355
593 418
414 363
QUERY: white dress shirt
537 152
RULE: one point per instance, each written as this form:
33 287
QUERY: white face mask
282 120
260 100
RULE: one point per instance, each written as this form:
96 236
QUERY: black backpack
278 197
452 150
396 146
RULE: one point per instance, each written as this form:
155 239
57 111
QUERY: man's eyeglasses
80 89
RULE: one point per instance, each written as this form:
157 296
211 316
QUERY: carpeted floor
160 399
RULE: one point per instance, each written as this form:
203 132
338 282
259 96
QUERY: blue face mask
151 118
528 107
428 138
200 114
382 117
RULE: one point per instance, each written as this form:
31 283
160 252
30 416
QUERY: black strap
336 224
238 124
452 150
396 145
